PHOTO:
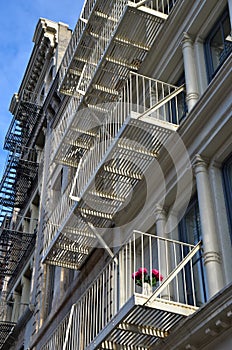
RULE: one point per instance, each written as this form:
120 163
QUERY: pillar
26 287
16 307
212 257
34 217
200 68
216 179
192 94
163 250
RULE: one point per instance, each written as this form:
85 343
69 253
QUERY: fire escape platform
123 51
139 326
105 62
6 328
13 245
124 161
71 244
97 201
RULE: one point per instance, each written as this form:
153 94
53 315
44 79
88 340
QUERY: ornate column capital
160 213
199 164
187 40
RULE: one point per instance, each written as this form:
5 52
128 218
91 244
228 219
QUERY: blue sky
18 21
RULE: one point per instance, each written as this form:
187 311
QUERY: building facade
116 219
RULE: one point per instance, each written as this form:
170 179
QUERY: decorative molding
199 164
160 213
187 40
212 257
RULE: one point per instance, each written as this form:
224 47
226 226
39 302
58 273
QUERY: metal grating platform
116 313
137 326
13 246
93 35
71 244
101 195
19 176
6 328
96 77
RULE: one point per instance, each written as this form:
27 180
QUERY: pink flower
135 275
142 271
157 275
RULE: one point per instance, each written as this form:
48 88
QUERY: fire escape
17 235
22 165
115 126
16 244
111 38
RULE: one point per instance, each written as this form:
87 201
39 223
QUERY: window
179 105
227 180
190 232
218 45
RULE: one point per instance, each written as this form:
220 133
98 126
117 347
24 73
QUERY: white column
216 179
164 263
200 68
192 94
212 257
34 217
16 307
26 286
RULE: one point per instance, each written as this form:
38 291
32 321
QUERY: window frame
227 187
182 229
211 72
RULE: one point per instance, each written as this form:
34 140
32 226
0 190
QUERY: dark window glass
227 180
190 232
218 45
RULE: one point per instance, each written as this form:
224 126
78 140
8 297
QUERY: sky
18 19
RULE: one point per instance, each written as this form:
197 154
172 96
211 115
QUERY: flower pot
146 289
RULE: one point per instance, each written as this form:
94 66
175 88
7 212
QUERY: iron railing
176 286
143 96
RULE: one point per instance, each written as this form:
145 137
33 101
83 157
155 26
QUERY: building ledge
207 325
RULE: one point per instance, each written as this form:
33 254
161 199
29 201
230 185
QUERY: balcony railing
93 32
147 106
19 176
103 49
10 311
17 236
122 311
67 238
135 127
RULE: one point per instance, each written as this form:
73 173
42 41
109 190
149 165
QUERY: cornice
45 41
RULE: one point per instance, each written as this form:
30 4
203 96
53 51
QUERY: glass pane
192 234
221 44
217 48
228 39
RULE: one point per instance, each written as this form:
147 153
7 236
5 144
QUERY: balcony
12 312
117 311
